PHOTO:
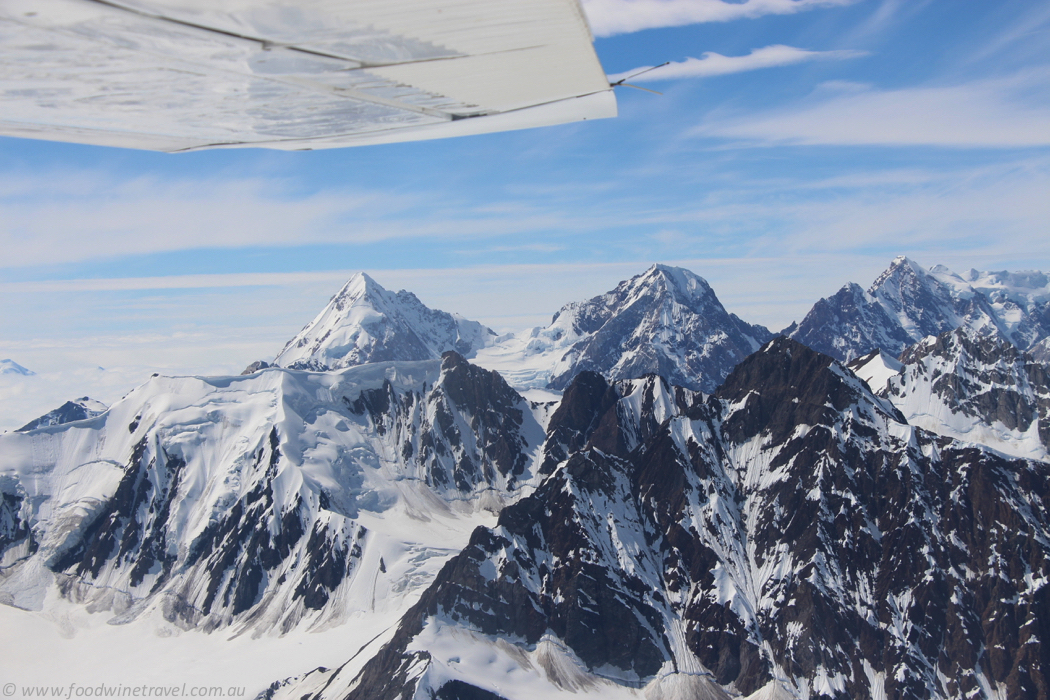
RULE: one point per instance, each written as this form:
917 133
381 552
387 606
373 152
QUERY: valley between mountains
647 498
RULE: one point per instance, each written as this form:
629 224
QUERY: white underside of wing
176 75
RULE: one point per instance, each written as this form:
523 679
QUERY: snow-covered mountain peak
900 269
922 303
77 409
907 303
667 285
659 284
12 367
666 321
365 323
358 286
675 280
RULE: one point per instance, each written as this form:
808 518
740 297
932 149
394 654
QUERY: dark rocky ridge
14 530
858 543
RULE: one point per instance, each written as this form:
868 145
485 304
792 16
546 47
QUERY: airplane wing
178 75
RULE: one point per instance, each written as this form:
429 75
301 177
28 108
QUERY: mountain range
666 321
690 508
907 303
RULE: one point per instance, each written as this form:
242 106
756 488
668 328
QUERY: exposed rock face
907 303
666 321
79 409
848 325
16 536
237 501
976 386
789 532
256 366
365 323
1040 352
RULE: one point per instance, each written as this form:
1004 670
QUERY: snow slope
976 387
263 503
12 367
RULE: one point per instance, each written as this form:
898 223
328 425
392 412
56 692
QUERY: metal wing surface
177 75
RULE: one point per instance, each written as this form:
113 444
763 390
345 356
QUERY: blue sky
798 145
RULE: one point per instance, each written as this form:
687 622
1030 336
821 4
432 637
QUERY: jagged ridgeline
703 512
665 321
788 536
907 303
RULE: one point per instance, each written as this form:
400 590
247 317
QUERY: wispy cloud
48 217
172 282
1027 31
611 17
55 218
993 113
524 248
711 63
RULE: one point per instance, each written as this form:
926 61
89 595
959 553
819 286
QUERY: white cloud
124 284
54 218
996 212
711 63
1028 28
994 113
57 217
611 17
